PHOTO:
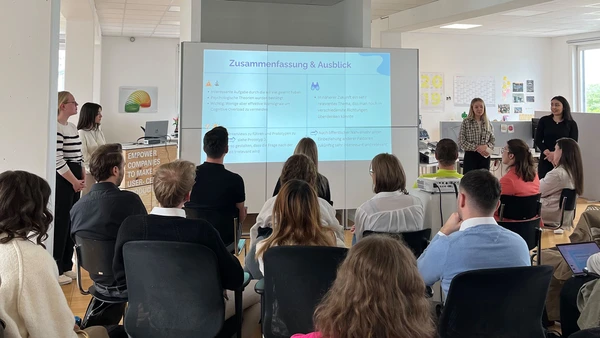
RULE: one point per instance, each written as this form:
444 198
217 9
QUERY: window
589 78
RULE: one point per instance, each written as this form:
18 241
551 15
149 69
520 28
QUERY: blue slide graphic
268 101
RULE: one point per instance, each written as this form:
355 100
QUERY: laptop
156 129
577 254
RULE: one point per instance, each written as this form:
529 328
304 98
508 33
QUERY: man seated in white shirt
471 239
299 167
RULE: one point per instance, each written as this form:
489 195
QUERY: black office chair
296 279
175 291
520 208
530 231
96 257
496 303
417 241
227 225
567 202
588 333
2 327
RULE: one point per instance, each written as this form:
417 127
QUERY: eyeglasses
72 102
371 170
505 149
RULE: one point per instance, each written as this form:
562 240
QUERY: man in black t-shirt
217 188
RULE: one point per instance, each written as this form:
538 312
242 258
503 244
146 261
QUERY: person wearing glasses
392 209
70 180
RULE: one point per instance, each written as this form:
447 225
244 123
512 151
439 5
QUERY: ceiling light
460 26
593 5
174 9
523 13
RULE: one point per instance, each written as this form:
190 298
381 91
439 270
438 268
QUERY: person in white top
567 174
299 167
392 209
91 137
70 180
297 221
32 304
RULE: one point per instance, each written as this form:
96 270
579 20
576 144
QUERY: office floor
79 302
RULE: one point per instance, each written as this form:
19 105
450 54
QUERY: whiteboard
350 182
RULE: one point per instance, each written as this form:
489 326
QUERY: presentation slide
269 100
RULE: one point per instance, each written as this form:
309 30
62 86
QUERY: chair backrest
417 241
480 303
520 208
96 257
588 333
529 230
174 290
226 224
568 199
296 279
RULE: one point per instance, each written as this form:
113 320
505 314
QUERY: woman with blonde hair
296 221
308 147
476 137
378 293
70 181
392 209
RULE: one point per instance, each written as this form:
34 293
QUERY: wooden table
140 162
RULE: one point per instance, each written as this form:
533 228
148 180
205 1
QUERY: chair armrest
246 279
78 255
259 287
428 292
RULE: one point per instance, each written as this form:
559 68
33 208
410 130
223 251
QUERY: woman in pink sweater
521 178
383 271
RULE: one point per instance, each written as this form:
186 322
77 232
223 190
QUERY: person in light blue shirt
471 239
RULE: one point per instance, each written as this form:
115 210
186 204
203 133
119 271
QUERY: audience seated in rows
308 147
378 292
567 174
446 153
173 184
32 303
392 209
217 188
297 221
471 239
299 167
580 300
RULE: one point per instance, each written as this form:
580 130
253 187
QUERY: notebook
577 254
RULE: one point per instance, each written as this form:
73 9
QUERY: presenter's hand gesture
78 185
452 224
550 157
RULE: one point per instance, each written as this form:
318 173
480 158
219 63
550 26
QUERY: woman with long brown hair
567 174
31 302
296 220
476 137
521 179
378 293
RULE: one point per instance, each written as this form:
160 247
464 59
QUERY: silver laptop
156 129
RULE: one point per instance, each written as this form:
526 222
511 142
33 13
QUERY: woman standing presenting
91 137
552 127
476 137
70 180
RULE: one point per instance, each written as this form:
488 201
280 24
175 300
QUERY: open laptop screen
577 254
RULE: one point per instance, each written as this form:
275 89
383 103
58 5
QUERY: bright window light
460 26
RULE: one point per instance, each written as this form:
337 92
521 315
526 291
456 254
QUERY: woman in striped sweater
70 180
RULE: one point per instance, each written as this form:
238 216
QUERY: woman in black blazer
552 127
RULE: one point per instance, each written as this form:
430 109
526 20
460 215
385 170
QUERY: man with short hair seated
98 215
446 153
471 239
173 184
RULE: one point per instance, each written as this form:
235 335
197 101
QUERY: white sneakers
64 280
67 277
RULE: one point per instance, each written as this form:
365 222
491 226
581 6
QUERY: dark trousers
66 197
569 313
544 167
473 161
104 314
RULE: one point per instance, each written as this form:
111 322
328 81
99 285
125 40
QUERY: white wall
145 62
563 82
519 59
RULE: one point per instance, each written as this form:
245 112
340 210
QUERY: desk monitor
156 129
577 254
